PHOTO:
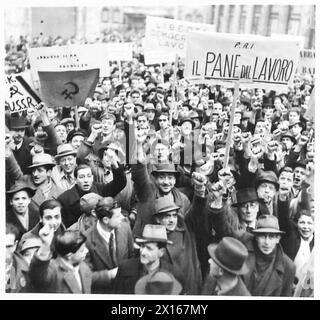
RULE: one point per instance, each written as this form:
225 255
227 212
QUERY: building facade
89 22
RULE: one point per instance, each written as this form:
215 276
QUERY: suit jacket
70 199
210 285
11 217
52 276
99 258
278 282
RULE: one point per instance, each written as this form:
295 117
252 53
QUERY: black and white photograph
161 148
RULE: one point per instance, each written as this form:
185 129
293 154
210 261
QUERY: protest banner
167 37
263 62
69 58
70 88
19 95
307 62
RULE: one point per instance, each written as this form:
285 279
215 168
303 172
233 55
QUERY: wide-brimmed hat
267 176
165 204
165 168
154 233
18 123
89 201
230 254
29 243
76 132
42 159
290 136
245 195
161 282
20 185
187 119
267 224
63 150
67 120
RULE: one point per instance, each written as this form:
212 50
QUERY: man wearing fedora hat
152 246
63 173
148 188
22 213
39 177
227 264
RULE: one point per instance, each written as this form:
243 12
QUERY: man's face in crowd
20 202
61 132
30 114
106 85
135 97
40 175
52 218
266 191
69 126
196 122
268 112
161 152
142 120
68 163
163 122
116 218
169 220
286 181
184 111
221 154
76 141
287 142
248 211
299 175
18 135
186 128
293 117
108 126
28 254
79 256
150 253
305 226
11 245
215 271
85 179
237 118
52 113
122 94
296 130
194 100
151 114
260 127
217 108
267 242
165 182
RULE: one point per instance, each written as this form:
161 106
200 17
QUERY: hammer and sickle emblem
13 90
69 93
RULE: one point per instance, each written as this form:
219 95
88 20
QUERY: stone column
284 19
265 17
249 19
225 19
236 19
216 17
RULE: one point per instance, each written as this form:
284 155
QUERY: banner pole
76 114
230 132
174 78
120 71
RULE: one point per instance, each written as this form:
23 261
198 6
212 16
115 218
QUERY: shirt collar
103 233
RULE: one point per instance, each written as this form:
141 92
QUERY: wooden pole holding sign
76 115
174 79
230 132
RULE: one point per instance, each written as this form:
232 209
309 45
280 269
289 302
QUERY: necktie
112 250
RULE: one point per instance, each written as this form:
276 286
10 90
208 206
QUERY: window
116 16
256 19
105 15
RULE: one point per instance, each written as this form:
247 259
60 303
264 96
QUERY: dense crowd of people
136 197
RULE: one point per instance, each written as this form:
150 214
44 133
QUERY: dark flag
68 88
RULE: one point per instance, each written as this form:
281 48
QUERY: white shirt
105 234
302 256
